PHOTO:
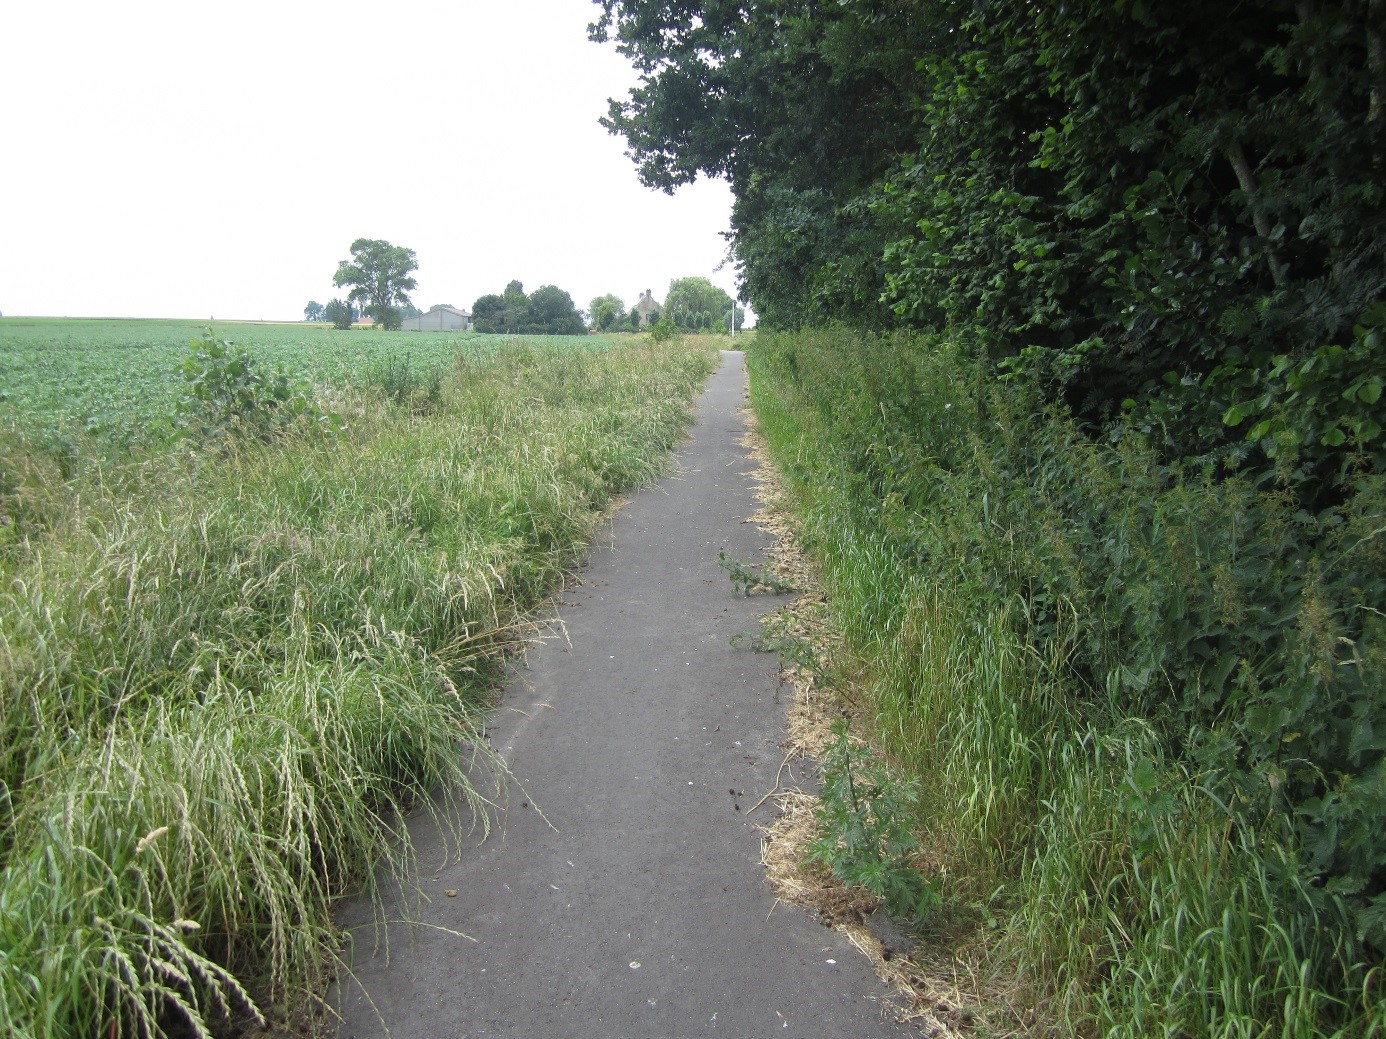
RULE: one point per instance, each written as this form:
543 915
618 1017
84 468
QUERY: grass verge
228 672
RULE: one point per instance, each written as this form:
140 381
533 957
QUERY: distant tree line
693 305
548 310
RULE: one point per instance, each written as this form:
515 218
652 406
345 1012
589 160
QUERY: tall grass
1138 889
228 673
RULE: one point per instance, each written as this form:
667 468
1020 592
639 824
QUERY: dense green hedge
1145 247
1170 216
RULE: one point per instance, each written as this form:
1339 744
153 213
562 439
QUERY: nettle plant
226 393
865 836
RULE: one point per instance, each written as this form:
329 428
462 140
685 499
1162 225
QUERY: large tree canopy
696 304
380 276
607 312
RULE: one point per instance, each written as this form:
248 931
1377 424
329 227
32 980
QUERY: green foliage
552 312
866 818
661 329
548 310
415 387
746 579
339 312
31 495
380 276
314 311
1315 414
1146 210
1110 674
226 392
488 313
606 312
800 113
694 303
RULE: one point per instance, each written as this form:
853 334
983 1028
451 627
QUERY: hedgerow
1187 680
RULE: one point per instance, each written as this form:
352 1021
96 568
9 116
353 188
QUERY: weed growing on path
866 820
746 579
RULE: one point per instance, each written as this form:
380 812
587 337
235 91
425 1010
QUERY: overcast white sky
185 159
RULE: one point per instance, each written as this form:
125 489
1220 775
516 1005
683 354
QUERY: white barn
441 318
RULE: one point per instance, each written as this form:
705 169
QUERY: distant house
441 318
647 308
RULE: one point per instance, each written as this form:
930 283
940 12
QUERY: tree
488 313
546 311
339 312
516 307
313 311
801 114
379 274
1124 201
607 312
552 312
692 302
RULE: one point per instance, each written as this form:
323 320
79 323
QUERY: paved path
647 913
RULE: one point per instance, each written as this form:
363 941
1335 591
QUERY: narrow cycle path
645 738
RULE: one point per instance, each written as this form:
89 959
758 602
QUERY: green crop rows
120 379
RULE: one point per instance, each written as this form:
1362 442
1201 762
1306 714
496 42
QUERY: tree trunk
1376 74
1247 179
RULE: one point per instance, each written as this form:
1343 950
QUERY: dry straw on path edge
933 989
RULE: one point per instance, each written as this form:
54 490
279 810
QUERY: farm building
441 318
647 308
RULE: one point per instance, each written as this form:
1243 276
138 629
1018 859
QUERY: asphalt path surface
639 908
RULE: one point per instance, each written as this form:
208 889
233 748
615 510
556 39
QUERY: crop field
114 379
228 670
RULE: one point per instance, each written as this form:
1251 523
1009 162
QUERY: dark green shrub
339 312
227 393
